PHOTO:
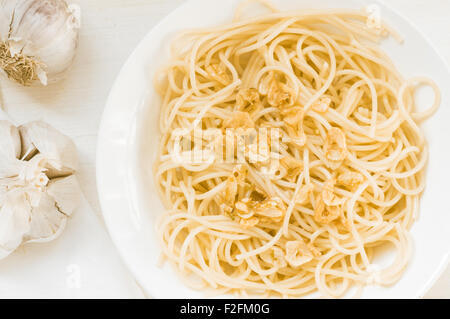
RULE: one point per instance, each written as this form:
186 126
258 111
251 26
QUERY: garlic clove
51 237
34 197
47 222
33 168
28 148
41 75
10 167
58 149
66 193
10 146
14 220
58 54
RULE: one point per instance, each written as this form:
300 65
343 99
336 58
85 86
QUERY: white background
83 262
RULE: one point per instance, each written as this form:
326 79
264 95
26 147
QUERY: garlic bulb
38 190
38 39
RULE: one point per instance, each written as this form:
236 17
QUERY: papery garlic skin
59 150
45 221
38 190
15 214
42 33
64 191
10 146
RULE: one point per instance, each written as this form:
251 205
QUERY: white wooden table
110 31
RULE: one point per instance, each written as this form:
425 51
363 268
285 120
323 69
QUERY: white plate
128 141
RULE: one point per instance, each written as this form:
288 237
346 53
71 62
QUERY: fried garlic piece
257 206
247 223
226 209
218 72
293 117
274 256
322 105
292 166
304 194
231 190
278 94
335 147
298 253
350 179
272 209
239 120
236 179
248 100
328 204
257 196
325 214
244 208
328 195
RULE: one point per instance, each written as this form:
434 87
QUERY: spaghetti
307 210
